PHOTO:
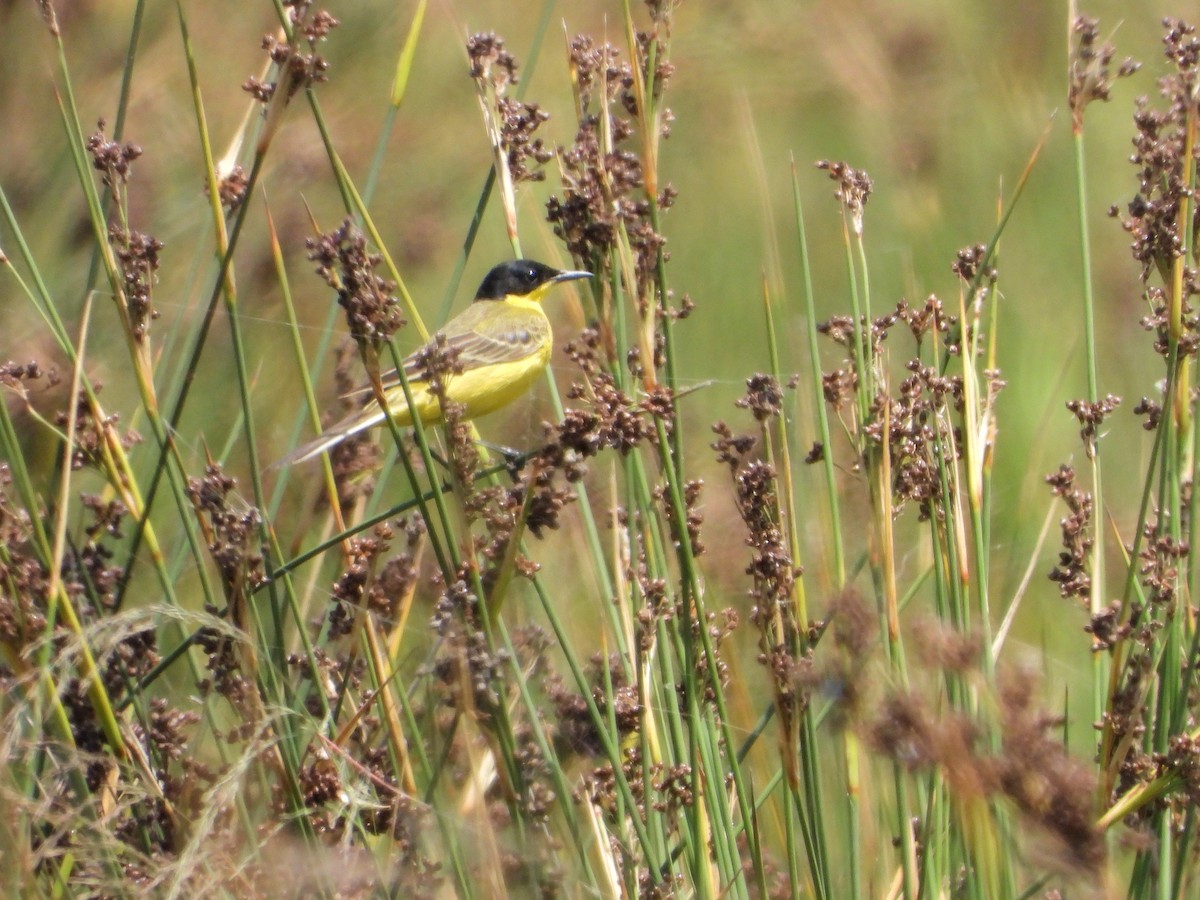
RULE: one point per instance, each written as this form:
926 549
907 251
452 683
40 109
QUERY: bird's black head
522 278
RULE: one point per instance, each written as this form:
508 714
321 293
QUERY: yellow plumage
499 344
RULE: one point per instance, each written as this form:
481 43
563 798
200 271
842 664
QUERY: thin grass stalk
399 85
718 869
242 613
611 750
791 850
877 464
1180 874
1186 621
57 544
808 746
119 121
670 653
1100 661
831 481
987 439
885 577
138 351
651 746
808 811
577 841
670 453
938 858
489 182
168 451
701 868
306 384
69 114
788 488
1168 700
607 587
674 738
447 559
289 746
976 432
692 592
795 749
220 233
642 495
1110 759
429 796
404 64
49 691
58 601
1188 675
383 687
1171 523
366 524
864 367
357 206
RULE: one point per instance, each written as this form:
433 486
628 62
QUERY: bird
499 345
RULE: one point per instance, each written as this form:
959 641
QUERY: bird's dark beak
570 276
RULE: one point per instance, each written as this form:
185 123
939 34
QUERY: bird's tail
334 435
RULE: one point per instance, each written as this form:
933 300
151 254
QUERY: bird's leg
514 460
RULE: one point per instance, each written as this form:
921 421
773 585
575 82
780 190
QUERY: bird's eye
530 275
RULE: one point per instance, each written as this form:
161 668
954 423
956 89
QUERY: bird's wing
511 337
507 342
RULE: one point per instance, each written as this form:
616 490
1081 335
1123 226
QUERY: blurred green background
943 103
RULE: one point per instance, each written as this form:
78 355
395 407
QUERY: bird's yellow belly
481 391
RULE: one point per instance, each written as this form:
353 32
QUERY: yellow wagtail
498 345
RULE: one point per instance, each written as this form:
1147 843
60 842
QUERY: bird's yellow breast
485 390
